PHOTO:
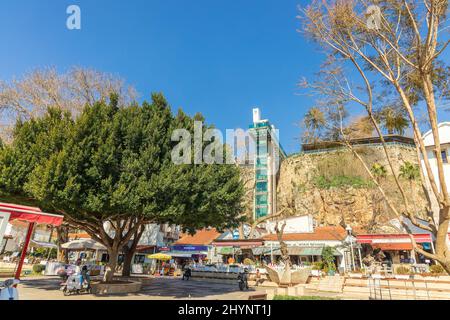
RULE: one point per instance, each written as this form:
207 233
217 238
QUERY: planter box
116 288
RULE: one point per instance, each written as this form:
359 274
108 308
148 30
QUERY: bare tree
31 95
391 50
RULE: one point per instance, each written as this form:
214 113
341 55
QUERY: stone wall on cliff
334 187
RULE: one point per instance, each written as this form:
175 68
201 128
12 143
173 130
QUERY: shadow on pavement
170 288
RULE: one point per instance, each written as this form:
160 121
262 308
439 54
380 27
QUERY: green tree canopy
110 171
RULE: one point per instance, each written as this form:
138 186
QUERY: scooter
8 290
75 284
243 280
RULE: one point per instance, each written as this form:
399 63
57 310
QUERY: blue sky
217 57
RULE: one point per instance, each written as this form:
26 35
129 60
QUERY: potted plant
328 259
316 269
402 273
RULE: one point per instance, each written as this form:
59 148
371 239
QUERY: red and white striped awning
392 238
30 214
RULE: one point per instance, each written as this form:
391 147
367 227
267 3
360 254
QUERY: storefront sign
305 244
189 248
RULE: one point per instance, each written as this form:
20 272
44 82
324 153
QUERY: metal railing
380 291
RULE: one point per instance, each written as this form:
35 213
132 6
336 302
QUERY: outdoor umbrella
83 244
160 256
40 244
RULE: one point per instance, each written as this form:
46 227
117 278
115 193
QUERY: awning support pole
24 250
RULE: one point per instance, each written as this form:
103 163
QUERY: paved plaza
47 288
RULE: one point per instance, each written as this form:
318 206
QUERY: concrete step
330 284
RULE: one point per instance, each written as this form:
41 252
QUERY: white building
302 224
444 136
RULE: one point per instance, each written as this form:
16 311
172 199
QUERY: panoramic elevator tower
268 155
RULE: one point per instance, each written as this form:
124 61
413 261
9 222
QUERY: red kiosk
31 215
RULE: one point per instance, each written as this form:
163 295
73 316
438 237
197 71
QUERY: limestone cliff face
334 187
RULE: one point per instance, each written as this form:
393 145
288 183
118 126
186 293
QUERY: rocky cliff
335 188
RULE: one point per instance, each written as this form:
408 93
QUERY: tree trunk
413 191
442 249
129 251
127 261
112 264
62 233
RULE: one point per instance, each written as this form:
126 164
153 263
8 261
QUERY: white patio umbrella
83 244
40 244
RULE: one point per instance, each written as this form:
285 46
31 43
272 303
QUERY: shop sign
189 248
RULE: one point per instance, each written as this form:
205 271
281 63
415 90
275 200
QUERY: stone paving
47 288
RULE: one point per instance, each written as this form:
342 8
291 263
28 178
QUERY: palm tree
314 122
410 172
379 172
393 120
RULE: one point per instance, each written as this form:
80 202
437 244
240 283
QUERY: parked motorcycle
243 280
76 283
8 290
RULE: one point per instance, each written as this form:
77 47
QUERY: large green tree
113 173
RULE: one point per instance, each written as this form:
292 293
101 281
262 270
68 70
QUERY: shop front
397 248
237 250
302 253
187 253
307 248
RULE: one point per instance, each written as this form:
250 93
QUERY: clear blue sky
218 57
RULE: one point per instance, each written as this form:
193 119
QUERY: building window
444 156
